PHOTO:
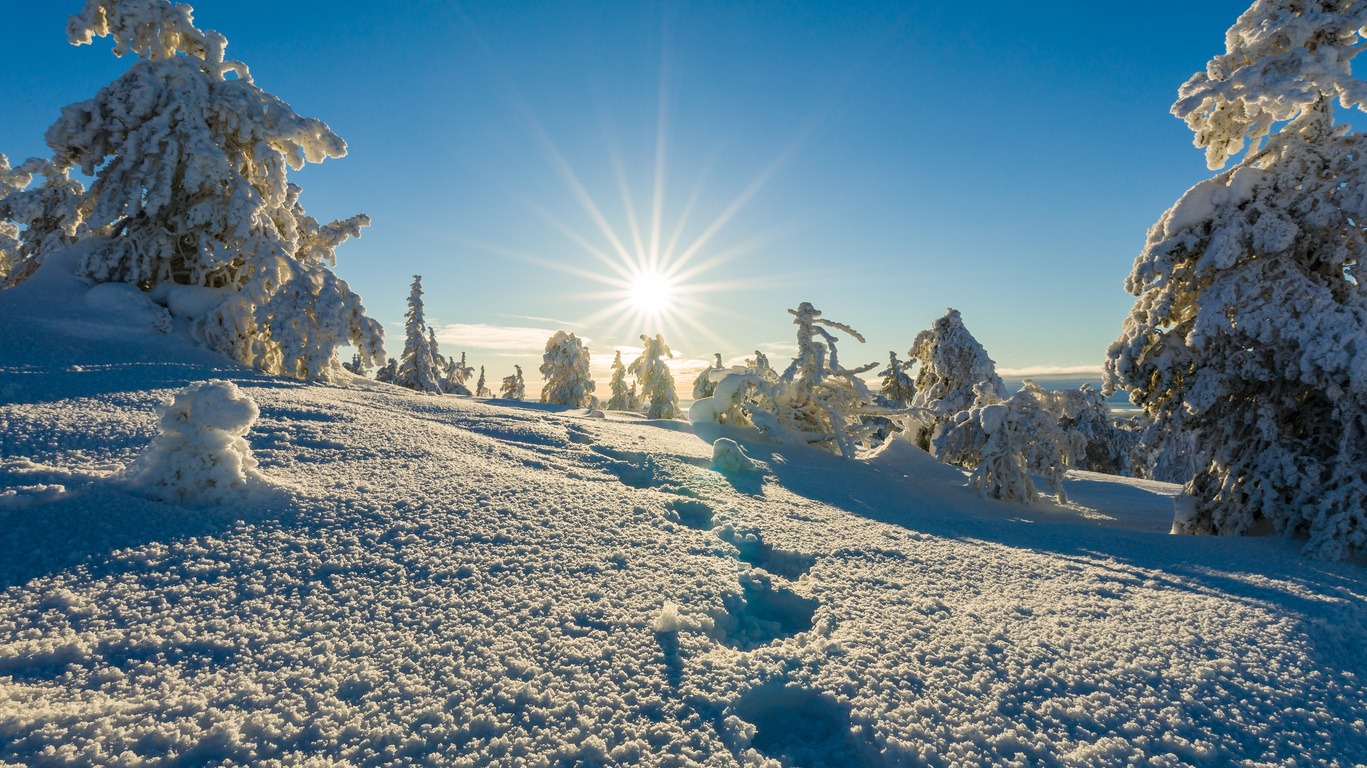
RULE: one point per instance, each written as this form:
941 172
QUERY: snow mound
728 457
200 458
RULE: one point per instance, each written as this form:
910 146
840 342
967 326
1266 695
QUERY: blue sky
883 161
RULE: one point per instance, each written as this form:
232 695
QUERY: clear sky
882 160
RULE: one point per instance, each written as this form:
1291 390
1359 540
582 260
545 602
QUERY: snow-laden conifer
480 389
513 387
418 365
565 366
706 383
897 388
1101 445
1250 326
623 395
816 400
955 374
35 219
455 375
189 161
387 372
655 379
1006 443
357 365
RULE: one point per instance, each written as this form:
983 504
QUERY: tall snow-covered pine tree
1250 324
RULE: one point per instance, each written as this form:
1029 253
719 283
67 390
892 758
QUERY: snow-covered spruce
655 379
513 387
623 395
707 379
565 366
896 389
418 368
1250 324
200 458
1005 443
189 161
480 389
955 374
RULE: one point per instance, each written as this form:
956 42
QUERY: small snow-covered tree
357 365
623 397
655 379
565 365
816 400
513 387
1101 445
456 374
955 374
35 220
418 365
1250 325
897 389
704 384
200 457
189 161
480 389
387 372
1005 443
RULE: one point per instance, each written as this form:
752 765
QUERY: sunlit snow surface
443 581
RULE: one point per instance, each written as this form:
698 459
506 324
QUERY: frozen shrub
200 458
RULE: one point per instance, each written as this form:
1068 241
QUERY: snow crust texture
441 581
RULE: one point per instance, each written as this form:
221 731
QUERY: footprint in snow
762 613
801 727
787 563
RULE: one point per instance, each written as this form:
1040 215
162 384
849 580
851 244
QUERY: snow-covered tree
704 384
565 366
1250 326
357 365
955 374
513 387
480 389
816 400
387 372
897 389
455 376
655 379
1102 445
418 365
1005 443
35 220
189 161
623 397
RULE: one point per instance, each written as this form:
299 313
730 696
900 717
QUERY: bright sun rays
653 267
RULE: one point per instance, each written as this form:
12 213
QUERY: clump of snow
671 620
728 457
200 458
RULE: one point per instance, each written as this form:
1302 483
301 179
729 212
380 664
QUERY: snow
450 581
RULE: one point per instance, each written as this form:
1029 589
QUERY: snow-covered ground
448 581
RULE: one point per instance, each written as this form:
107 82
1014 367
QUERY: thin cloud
1051 370
508 338
550 320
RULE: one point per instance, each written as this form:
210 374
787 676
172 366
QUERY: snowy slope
445 581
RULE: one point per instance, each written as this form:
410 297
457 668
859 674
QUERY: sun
651 293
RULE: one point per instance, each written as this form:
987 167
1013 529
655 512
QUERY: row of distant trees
1246 346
